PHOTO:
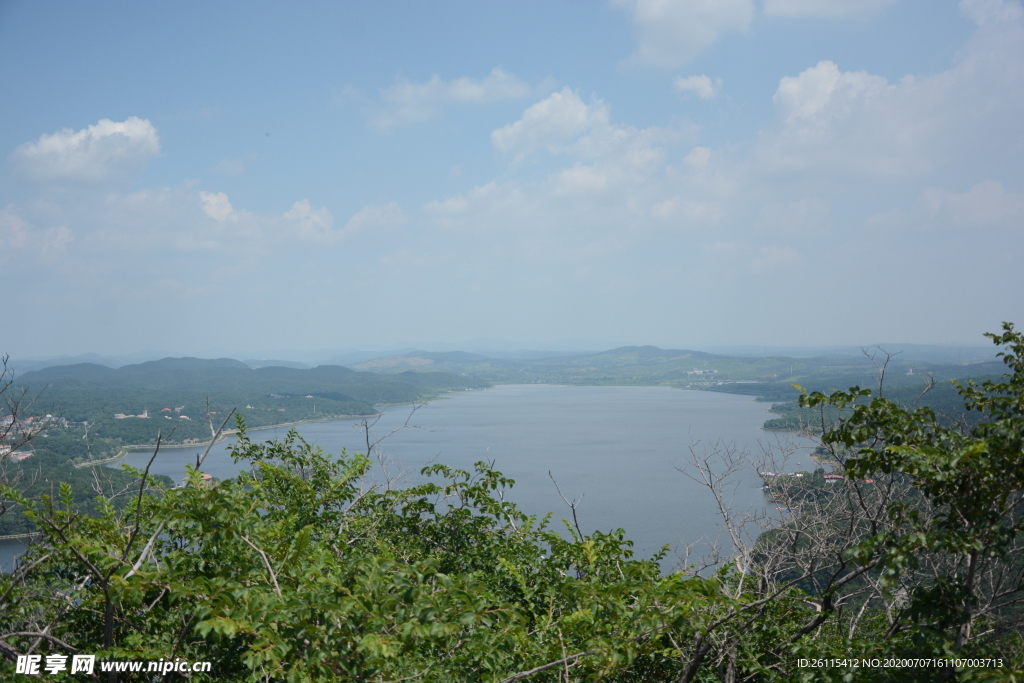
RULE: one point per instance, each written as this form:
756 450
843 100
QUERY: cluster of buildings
9 425
18 430
122 416
16 456
206 478
768 475
145 414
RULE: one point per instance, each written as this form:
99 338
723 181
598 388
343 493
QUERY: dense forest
941 396
48 469
179 395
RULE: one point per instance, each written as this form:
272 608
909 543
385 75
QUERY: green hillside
98 411
107 405
769 377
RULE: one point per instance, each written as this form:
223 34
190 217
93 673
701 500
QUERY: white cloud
698 158
17 233
616 161
498 85
985 205
701 86
14 229
408 102
550 123
453 206
316 225
494 199
179 219
104 151
617 176
216 206
985 12
826 9
582 178
672 32
823 94
856 121
845 124
375 217
157 219
845 145
168 221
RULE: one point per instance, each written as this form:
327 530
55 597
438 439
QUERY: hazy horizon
941 353
345 177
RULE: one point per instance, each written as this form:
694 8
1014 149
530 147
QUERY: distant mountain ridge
772 377
652 354
20 365
410 376
221 375
459 359
270 363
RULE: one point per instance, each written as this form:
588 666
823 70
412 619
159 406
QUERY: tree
299 571
910 547
952 550
17 428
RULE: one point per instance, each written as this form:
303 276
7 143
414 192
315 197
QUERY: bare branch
572 506
266 561
216 435
44 636
550 665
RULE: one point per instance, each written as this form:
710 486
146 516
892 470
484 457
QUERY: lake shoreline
617 444
135 448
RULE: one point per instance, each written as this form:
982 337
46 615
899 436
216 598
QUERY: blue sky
254 178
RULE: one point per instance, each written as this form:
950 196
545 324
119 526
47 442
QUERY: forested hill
89 413
114 402
623 365
227 375
771 377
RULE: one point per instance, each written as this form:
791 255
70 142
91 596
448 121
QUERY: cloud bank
859 202
104 151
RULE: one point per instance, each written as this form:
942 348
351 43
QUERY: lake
617 446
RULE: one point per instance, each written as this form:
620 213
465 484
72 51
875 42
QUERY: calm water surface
618 446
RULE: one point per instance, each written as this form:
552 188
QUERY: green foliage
298 572
302 569
942 397
966 517
177 394
47 470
